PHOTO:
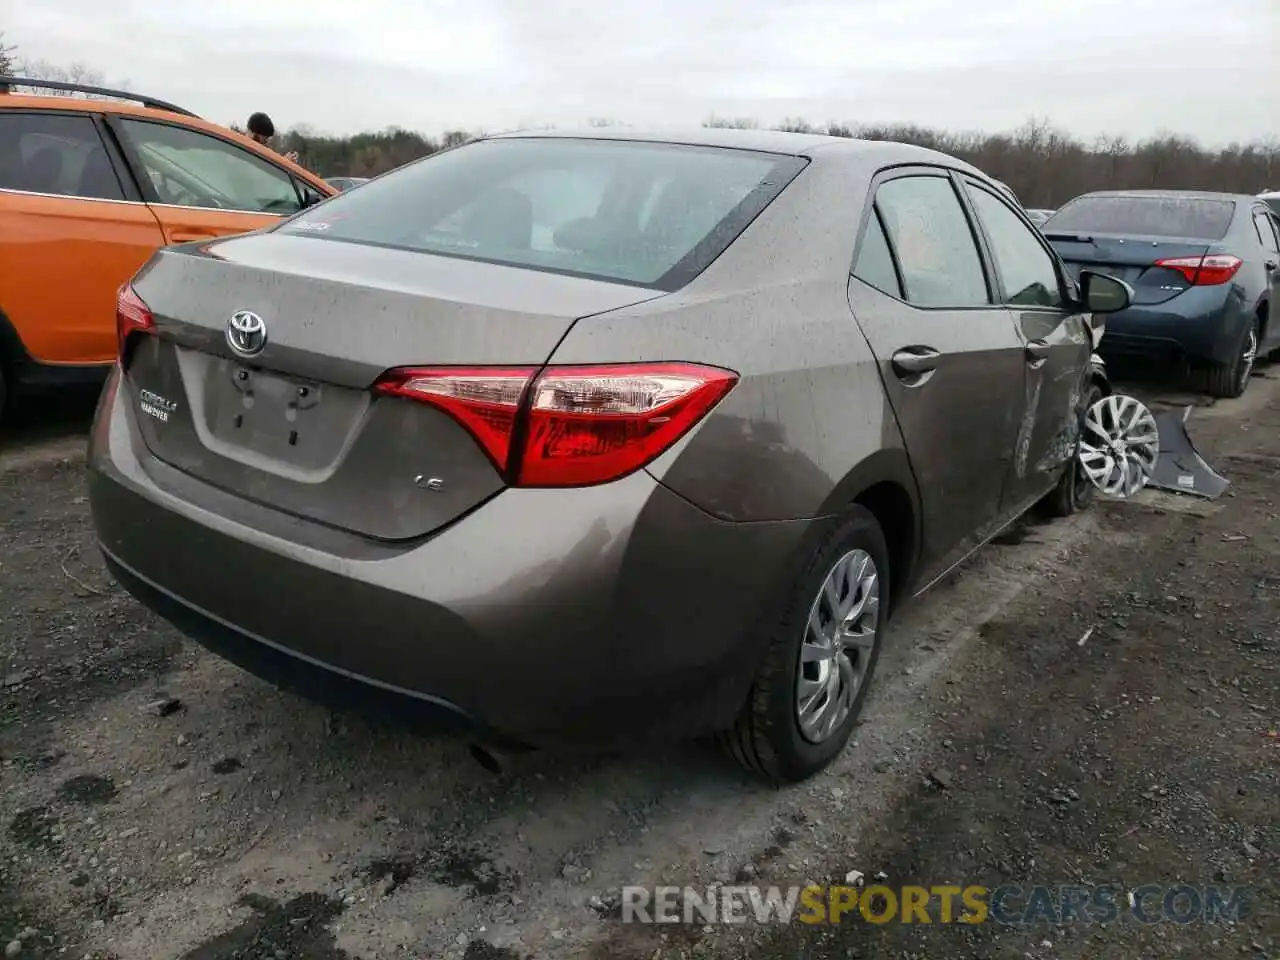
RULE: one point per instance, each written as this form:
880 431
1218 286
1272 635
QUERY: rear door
202 186
950 358
1268 229
72 230
1056 339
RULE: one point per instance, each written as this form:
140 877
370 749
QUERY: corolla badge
246 333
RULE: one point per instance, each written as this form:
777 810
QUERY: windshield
1170 216
651 214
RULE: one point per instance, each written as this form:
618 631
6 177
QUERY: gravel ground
156 802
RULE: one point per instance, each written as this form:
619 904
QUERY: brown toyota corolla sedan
591 438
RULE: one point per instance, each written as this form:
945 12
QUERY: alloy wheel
836 652
1248 356
1120 445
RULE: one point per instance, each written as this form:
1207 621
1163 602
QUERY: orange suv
89 189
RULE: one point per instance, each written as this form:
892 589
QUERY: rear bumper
1203 324
591 616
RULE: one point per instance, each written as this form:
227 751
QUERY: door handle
916 360
1037 350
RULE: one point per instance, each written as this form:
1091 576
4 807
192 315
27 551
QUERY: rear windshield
647 214
1274 203
1144 216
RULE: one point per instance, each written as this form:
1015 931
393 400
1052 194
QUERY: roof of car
1173 194
92 105
768 141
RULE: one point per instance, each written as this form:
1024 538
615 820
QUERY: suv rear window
1190 217
1273 202
649 214
58 155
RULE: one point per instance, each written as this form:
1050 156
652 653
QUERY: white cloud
1134 67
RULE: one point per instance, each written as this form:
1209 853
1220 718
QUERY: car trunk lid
1133 258
296 426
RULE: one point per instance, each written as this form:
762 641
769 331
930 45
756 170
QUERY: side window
190 169
310 195
1266 231
935 246
875 262
62 155
1029 275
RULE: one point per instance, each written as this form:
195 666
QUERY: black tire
1074 492
1226 381
766 737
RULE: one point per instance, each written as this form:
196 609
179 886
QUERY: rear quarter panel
807 426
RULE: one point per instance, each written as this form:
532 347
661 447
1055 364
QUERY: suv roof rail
151 102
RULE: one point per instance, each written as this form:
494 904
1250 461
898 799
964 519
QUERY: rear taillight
485 400
1206 271
591 424
568 426
132 316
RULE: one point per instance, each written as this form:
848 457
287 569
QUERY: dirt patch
274 931
35 827
68 636
87 788
480 950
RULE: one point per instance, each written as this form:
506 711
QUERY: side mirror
1102 293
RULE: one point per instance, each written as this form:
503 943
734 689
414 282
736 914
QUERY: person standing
262 130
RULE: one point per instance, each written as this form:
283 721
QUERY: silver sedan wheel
1119 446
1248 355
839 639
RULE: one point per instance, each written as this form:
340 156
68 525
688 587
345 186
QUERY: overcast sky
1133 67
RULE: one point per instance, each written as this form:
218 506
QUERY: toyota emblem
246 333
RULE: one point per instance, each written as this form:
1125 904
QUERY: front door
71 233
1055 340
950 358
201 186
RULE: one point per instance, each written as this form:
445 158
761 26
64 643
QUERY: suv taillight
568 426
132 316
1207 271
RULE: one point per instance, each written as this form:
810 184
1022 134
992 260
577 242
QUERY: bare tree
732 123
7 51
76 72
796 125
